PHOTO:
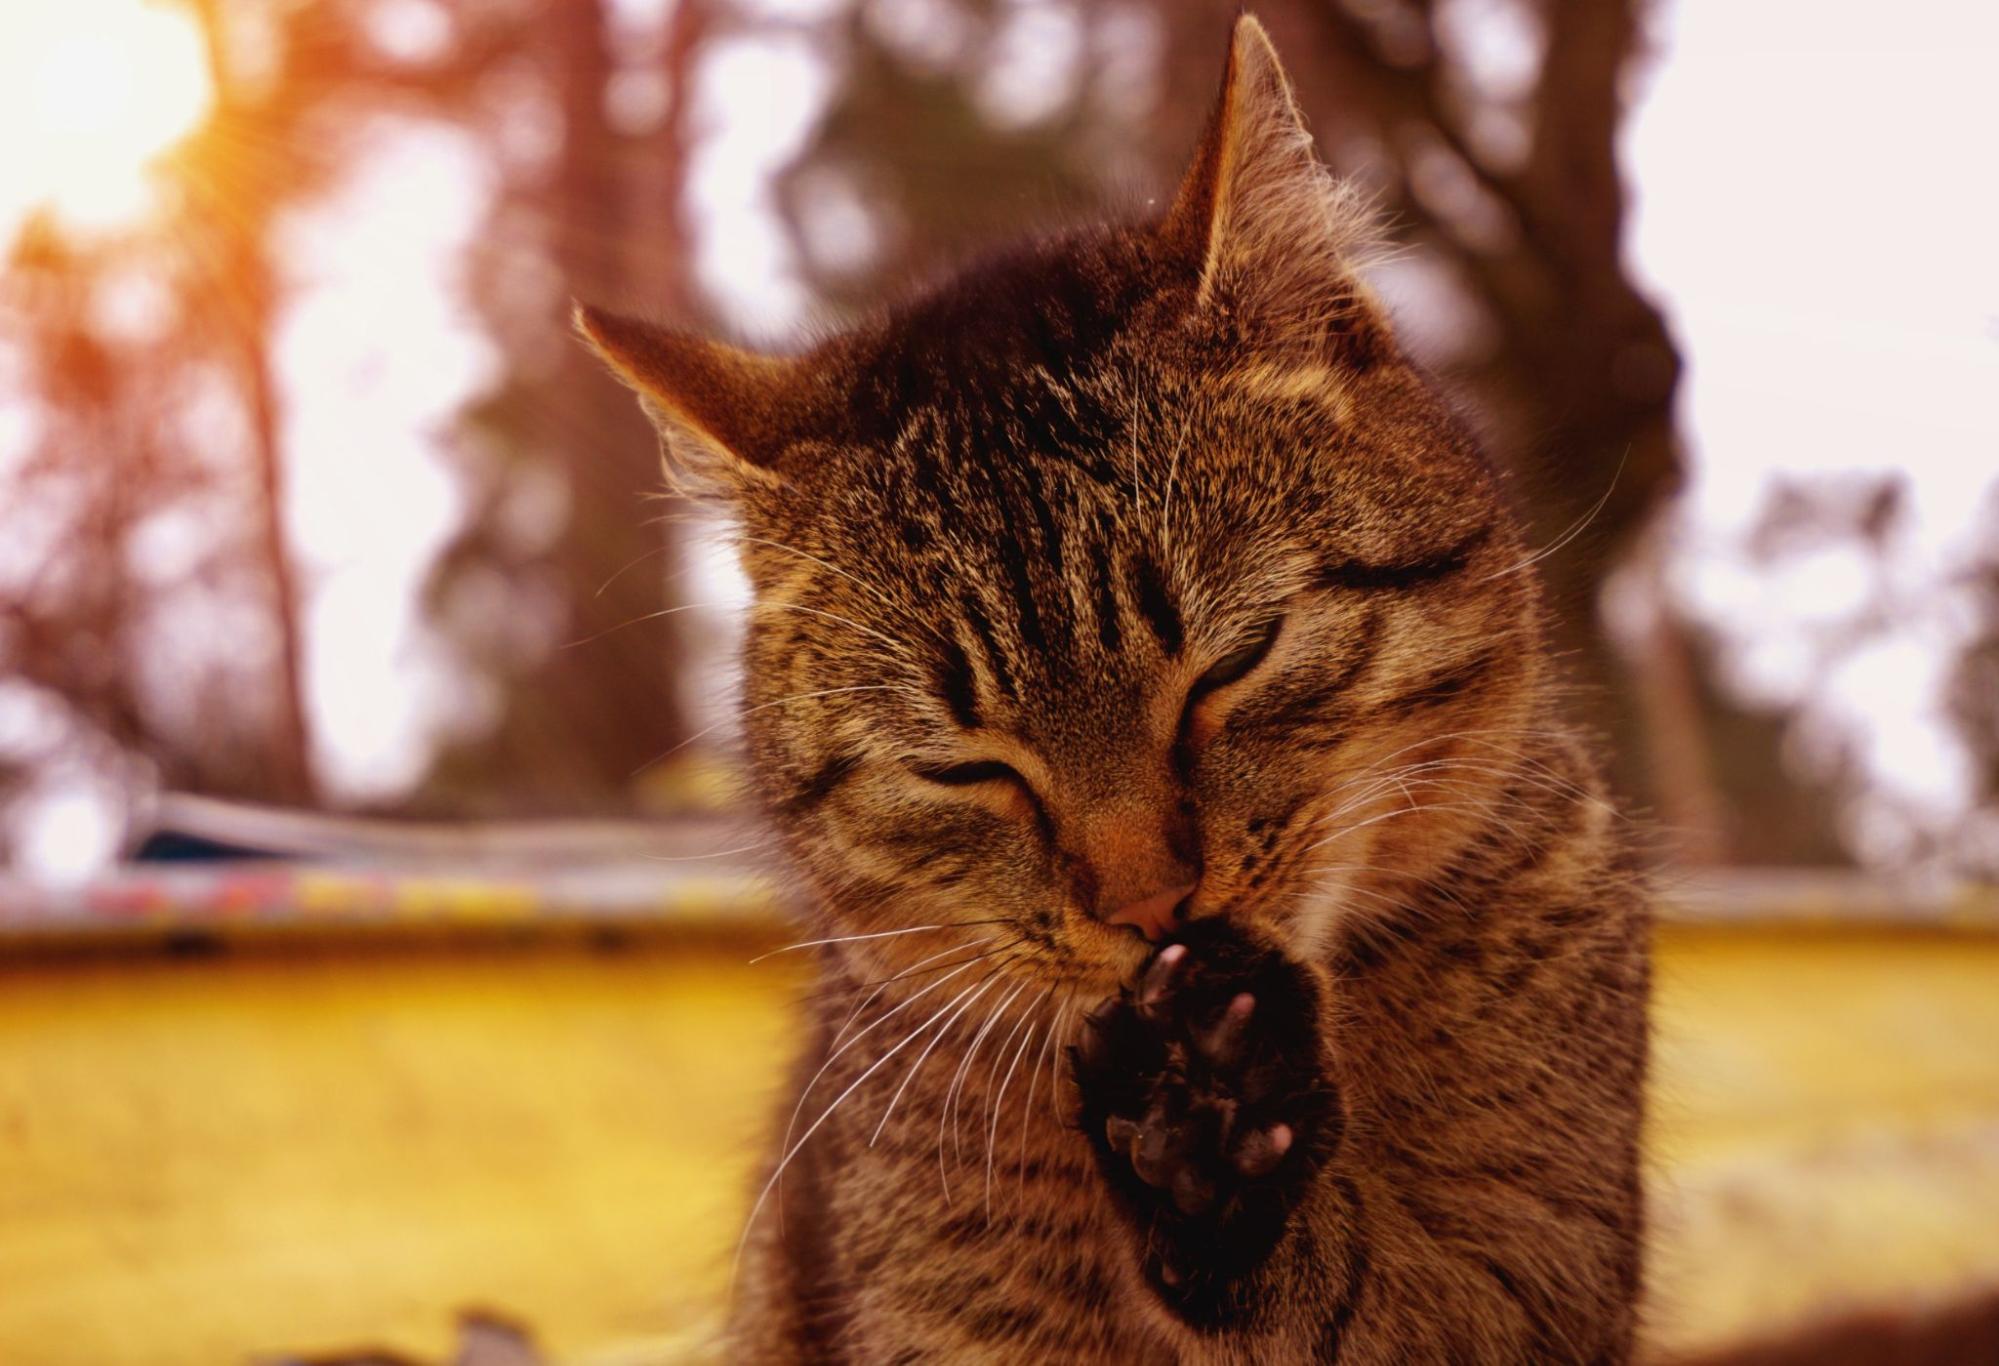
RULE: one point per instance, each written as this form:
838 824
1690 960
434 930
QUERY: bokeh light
98 90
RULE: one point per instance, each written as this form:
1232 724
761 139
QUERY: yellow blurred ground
1825 1127
204 1159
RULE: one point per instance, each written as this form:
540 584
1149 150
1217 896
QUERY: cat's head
1133 575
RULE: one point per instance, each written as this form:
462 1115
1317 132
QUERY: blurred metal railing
320 873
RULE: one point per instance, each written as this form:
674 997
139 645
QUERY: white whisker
713 853
901 647
949 1114
876 934
1576 529
1034 1082
992 1132
806 1137
890 981
862 584
836 1054
983 985
1398 811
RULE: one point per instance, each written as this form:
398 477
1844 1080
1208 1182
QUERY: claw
1156 1155
1189 1094
1158 980
1260 1152
1223 1043
1091 1045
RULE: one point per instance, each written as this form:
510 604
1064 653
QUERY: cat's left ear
1258 219
731 417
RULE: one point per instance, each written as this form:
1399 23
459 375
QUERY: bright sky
1815 207
92 90
376 352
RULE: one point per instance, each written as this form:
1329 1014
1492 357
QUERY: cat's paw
1203 1091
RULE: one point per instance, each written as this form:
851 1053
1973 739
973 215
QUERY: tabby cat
1226 954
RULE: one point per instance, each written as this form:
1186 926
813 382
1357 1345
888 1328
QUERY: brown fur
1015 522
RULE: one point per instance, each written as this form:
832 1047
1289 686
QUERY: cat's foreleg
1207 1093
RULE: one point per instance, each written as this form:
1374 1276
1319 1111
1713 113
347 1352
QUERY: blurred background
310 504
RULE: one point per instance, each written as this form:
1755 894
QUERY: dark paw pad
1204 1095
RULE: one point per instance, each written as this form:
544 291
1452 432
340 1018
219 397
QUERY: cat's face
1129 578
1038 686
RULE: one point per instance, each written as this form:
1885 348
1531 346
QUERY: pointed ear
1257 215
744 409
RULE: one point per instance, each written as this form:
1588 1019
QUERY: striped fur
999 536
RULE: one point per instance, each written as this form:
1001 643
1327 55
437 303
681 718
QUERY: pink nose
1154 915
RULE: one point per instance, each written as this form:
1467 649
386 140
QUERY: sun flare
92 92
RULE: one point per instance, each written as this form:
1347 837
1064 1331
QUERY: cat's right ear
1258 222
742 412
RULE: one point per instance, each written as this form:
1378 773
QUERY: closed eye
1359 576
965 775
990 776
1237 663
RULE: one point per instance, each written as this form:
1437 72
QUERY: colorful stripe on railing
254 894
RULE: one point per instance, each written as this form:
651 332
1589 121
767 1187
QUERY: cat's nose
1157 915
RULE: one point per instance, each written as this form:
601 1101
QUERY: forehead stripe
955 682
1156 605
982 627
1014 556
1051 536
1109 630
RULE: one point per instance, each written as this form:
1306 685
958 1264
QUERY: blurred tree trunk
291 775
611 698
588 681
67 625
659 254
245 273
